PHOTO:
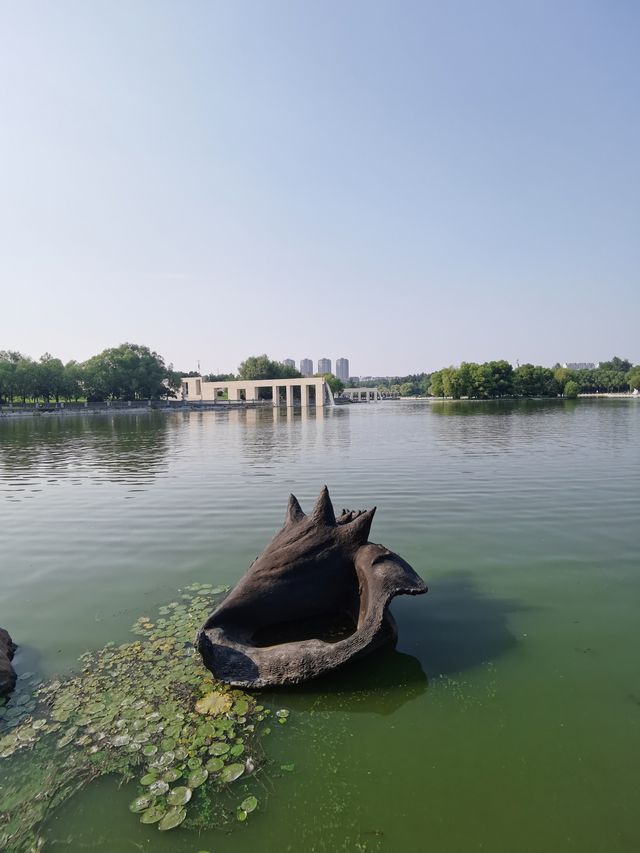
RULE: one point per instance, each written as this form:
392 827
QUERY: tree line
134 372
494 379
127 372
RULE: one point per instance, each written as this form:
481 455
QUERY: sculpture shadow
457 627
379 683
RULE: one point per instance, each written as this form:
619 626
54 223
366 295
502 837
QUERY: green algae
147 709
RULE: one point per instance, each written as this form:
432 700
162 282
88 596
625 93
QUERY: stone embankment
7 673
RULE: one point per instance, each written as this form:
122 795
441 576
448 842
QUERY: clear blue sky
405 184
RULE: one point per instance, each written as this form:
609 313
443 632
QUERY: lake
507 717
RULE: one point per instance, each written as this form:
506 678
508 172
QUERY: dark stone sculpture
315 598
7 674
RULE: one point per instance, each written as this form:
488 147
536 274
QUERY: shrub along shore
495 379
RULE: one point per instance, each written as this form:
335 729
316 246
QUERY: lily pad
179 796
214 704
166 759
198 777
232 772
173 818
158 788
171 774
240 707
249 804
152 815
140 804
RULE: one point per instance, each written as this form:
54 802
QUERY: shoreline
621 395
145 407
134 407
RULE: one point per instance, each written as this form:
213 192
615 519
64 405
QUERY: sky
405 184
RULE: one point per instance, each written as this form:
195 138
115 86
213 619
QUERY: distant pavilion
304 391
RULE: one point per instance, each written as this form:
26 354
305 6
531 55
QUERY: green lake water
508 716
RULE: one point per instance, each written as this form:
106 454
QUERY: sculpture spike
294 511
323 510
360 527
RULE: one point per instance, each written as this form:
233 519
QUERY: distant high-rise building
289 362
581 365
306 367
342 369
324 365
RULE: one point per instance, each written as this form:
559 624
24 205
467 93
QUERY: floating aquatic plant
145 709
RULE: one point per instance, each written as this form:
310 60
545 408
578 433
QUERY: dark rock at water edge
315 598
7 673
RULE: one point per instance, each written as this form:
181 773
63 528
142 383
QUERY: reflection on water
479 427
499 408
130 449
281 435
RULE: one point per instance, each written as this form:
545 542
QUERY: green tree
571 390
502 373
336 385
25 377
406 389
451 383
562 375
531 380
436 387
73 381
619 365
8 363
216 377
127 372
465 380
262 367
49 378
633 378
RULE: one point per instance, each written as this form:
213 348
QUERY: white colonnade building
362 395
304 392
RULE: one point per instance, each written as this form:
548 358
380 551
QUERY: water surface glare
508 716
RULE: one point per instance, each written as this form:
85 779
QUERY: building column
304 395
289 396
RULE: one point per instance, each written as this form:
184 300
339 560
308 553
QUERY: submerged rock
315 598
7 673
